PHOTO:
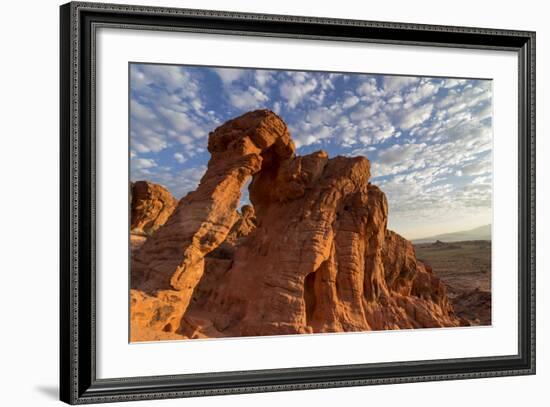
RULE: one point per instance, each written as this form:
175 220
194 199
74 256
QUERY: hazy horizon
429 140
453 232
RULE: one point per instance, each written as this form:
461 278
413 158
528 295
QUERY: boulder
151 206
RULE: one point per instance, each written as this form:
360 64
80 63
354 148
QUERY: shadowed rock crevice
310 297
313 254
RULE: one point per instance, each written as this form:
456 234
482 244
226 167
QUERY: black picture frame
78 382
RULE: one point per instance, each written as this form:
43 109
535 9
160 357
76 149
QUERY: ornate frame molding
78 380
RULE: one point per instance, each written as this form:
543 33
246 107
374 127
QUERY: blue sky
429 140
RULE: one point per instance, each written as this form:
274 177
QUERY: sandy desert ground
465 267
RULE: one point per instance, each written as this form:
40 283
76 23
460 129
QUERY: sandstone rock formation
316 257
151 206
243 226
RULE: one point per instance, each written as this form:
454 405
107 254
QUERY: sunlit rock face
151 206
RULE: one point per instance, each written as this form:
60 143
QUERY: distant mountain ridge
479 233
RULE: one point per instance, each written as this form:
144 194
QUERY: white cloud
179 158
145 140
144 129
456 108
486 179
184 140
477 168
229 75
263 77
368 87
400 153
395 99
251 98
424 90
143 163
166 83
186 180
318 116
365 111
308 135
348 136
323 123
383 133
179 121
297 88
416 116
451 83
167 108
350 102
141 112
398 83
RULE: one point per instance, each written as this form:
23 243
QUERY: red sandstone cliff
312 255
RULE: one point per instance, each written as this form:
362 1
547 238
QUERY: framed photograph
255 203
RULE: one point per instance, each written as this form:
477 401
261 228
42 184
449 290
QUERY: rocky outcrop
151 206
316 257
157 317
173 258
322 260
465 268
474 305
244 225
